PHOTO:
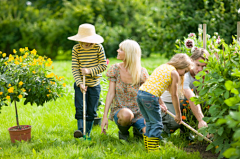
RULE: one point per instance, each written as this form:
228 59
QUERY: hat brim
89 39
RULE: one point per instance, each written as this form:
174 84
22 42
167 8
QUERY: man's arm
196 109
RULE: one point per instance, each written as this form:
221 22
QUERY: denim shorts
139 124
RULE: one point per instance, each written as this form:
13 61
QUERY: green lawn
54 123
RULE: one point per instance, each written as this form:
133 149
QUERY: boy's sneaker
78 134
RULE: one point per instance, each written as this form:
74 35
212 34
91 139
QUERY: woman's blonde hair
132 59
181 61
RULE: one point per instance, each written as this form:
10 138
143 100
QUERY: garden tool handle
189 127
84 107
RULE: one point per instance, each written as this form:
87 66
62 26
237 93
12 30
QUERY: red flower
184 110
189 43
184 118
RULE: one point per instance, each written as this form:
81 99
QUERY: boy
88 58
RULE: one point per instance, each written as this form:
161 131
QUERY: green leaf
231 101
218 91
204 91
226 95
234 90
34 152
235 115
209 147
196 83
220 131
230 152
236 134
229 85
221 121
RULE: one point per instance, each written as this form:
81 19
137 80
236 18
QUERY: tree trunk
16 114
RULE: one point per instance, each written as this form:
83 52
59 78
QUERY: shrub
220 90
26 75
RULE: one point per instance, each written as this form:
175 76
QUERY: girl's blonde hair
132 59
181 61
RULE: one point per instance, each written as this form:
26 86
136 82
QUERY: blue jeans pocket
148 100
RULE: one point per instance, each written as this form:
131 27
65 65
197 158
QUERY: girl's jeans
151 111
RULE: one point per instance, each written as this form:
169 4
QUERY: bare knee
125 117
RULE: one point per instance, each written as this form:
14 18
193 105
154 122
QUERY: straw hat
86 33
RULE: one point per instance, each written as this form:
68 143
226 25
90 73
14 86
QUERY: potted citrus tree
24 75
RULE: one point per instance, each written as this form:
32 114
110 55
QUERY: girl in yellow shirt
166 76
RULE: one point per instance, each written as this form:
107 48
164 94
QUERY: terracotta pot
97 121
19 135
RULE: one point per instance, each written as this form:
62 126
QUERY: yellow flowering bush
24 74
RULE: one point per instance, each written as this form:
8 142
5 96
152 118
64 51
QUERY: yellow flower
52 67
0 52
8 97
50 75
14 51
48 95
20 83
33 72
9 85
4 54
21 49
33 52
20 96
10 90
16 62
11 58
50 91
26 48
64 84
1 93
6 63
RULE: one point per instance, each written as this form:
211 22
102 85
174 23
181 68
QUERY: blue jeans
92 98
151 111
139 124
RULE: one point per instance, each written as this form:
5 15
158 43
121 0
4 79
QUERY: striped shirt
93 58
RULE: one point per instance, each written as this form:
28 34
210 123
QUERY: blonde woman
165 76
125 78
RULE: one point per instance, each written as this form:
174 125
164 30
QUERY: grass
54 123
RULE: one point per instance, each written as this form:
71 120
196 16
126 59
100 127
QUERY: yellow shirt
159 80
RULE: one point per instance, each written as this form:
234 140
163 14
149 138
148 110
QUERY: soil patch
201 148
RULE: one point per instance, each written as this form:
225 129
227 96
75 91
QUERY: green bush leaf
236 134
234 90
220 131
229 85
230 152
226 95
221 121
231 101
209 147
